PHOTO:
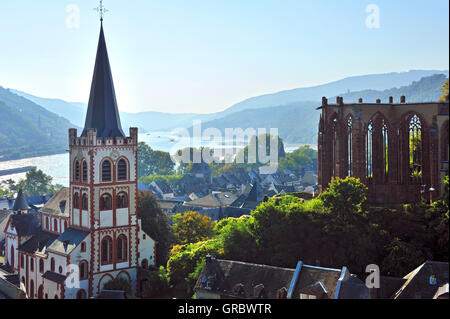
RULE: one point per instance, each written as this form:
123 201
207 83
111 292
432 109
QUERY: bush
157 284
118 284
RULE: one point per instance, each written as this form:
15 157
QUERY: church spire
103 113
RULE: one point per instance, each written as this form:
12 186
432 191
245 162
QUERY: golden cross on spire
101 10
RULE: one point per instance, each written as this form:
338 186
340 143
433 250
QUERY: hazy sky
205 55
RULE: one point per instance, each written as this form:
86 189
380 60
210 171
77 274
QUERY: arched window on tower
334 151
84 202
122 170
106 250
77 171
106 171
52 264
349 147
76 201
369 151
85 172
385 138
415 148
105 202
122 200
122 248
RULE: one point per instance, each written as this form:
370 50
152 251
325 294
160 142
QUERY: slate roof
38 243
26 224
418 286
163 186
68 241
214 200
244 280
20 203
103 113
55 277
59 204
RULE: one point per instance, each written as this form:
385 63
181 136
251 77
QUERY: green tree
298 159
37 183
156 223
344 197
157 284
191 227
153 162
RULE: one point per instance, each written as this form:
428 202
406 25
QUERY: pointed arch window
106 171
84 202
84 172
52 264
385 139
122 200
76 200
106 250
105 202
369 150
349 147
122 170
122 248
334 150
415 148
77 171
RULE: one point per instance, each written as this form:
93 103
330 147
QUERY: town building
398 150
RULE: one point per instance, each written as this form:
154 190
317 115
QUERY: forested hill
28 130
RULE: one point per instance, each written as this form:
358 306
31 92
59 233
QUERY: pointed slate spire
103 113
20 203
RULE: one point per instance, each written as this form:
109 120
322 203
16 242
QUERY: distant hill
297 122
351 84
157 121
28 129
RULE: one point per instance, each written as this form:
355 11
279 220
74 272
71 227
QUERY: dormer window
433 280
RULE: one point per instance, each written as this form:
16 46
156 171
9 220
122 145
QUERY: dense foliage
156 224
191 227
118 283
333 230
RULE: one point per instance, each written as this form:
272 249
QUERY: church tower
103 184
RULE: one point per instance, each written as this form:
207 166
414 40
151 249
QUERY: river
57 165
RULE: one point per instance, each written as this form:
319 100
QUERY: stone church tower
103 184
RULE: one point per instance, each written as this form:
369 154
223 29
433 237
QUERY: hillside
29 130
156 121
297 122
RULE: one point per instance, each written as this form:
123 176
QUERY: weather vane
101 10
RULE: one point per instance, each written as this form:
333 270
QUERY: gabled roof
20 203
103 113
68 241
58 204
38 243
163 186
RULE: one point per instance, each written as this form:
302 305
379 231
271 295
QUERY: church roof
103 113
20 203
59 204
68 241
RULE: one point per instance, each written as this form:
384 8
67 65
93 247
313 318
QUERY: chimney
324 101
391 100
360 100
403 99
378 101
